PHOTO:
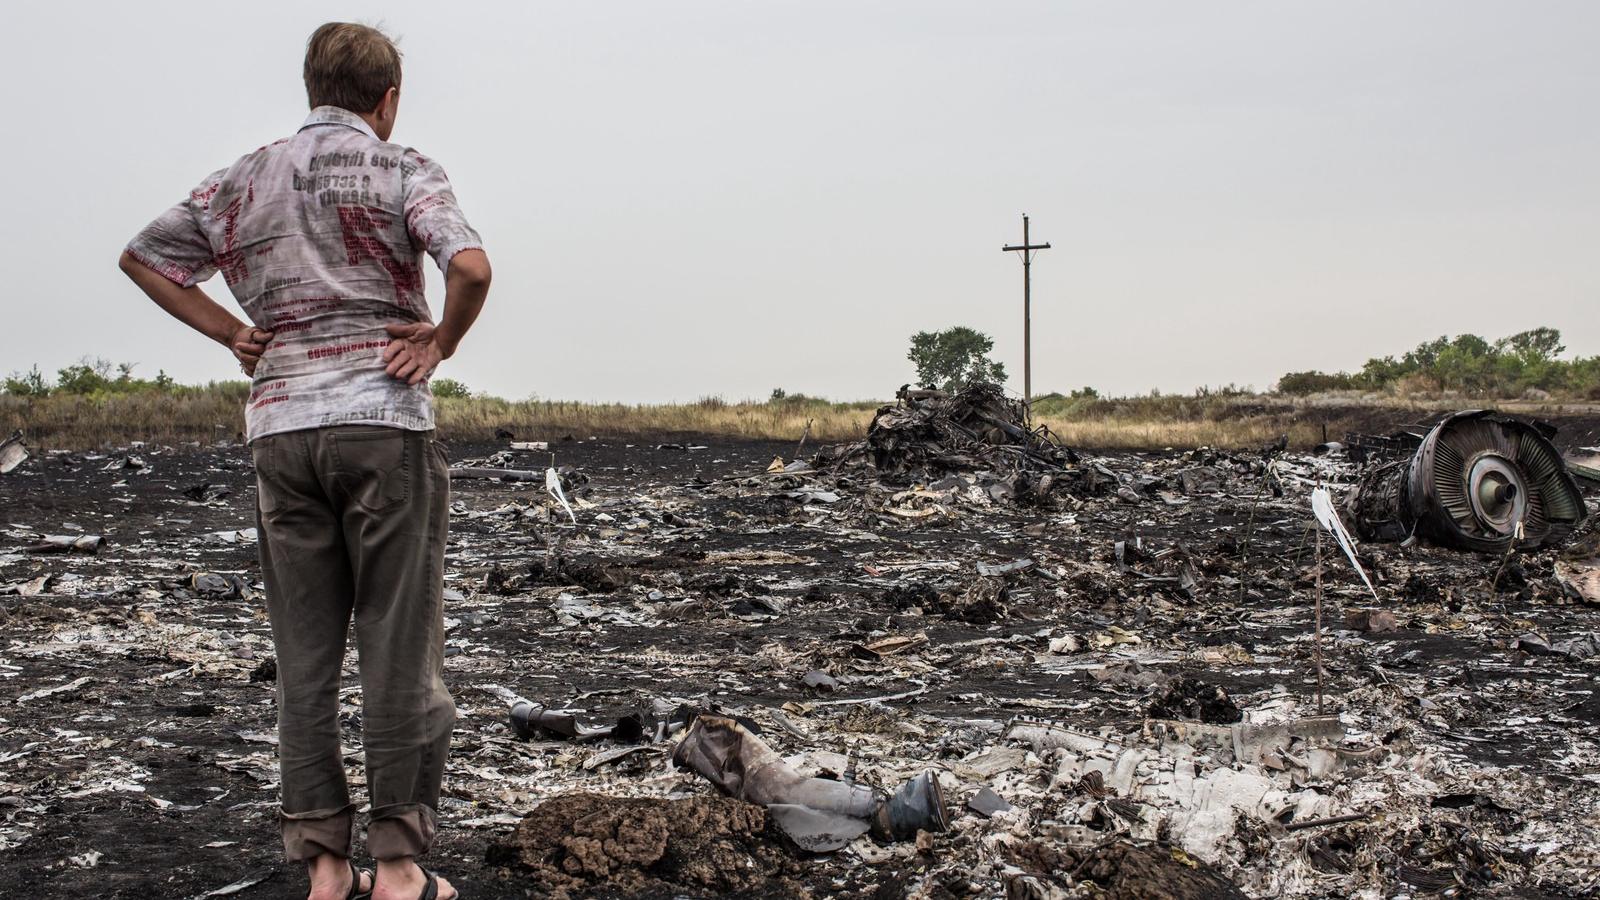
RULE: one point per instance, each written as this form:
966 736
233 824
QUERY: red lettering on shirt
360 225
311 304
328 350
229 259
268 401
269 386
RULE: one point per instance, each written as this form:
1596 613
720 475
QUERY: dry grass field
69 421
86 421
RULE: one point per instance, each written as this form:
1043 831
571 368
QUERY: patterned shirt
320 238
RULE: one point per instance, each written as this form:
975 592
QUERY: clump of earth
590 844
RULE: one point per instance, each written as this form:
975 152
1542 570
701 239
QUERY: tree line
1508 367
950 359
98 377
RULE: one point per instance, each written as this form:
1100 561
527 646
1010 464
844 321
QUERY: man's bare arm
417 348
192 307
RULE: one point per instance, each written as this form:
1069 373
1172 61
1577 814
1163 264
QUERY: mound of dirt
578 844
1125 871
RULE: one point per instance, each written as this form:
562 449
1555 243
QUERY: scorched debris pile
930 436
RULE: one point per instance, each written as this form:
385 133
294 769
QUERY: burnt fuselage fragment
929 435
1478 481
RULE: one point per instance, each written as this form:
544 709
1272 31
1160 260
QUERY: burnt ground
136 701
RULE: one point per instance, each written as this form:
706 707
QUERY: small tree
87 376
954 358
31 383
1534 345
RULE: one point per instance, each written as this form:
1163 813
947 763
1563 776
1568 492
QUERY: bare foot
403 879
330 878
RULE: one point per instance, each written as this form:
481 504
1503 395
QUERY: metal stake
1316 640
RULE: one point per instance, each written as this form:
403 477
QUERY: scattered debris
249 881
529 720
1111 679
206 492
1189 698
1118 870
1373 620
818 680
57 690
1585 464
466 473
1580 578
68 543
987 803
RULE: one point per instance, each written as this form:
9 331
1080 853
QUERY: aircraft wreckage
1477 481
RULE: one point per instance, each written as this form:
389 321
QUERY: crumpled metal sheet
12 453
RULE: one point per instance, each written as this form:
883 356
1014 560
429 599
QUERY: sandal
430 890
356 893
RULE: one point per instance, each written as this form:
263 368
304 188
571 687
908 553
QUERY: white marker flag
1322 508
552 486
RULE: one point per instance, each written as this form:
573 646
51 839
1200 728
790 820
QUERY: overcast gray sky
693 198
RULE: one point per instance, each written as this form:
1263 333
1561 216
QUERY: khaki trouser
353 521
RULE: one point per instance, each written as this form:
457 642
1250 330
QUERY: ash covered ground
1135 677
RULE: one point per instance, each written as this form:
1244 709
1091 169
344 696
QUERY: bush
1300 384
1070 406
1206 391
784 399
448 387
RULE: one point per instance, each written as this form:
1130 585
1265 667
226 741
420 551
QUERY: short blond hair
350 66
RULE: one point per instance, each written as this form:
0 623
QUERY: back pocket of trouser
374 465
266 456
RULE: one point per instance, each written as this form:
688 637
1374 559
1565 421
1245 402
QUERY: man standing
320 238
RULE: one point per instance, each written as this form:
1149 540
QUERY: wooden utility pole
1028 250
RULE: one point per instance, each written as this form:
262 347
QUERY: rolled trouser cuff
400 830
307 835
